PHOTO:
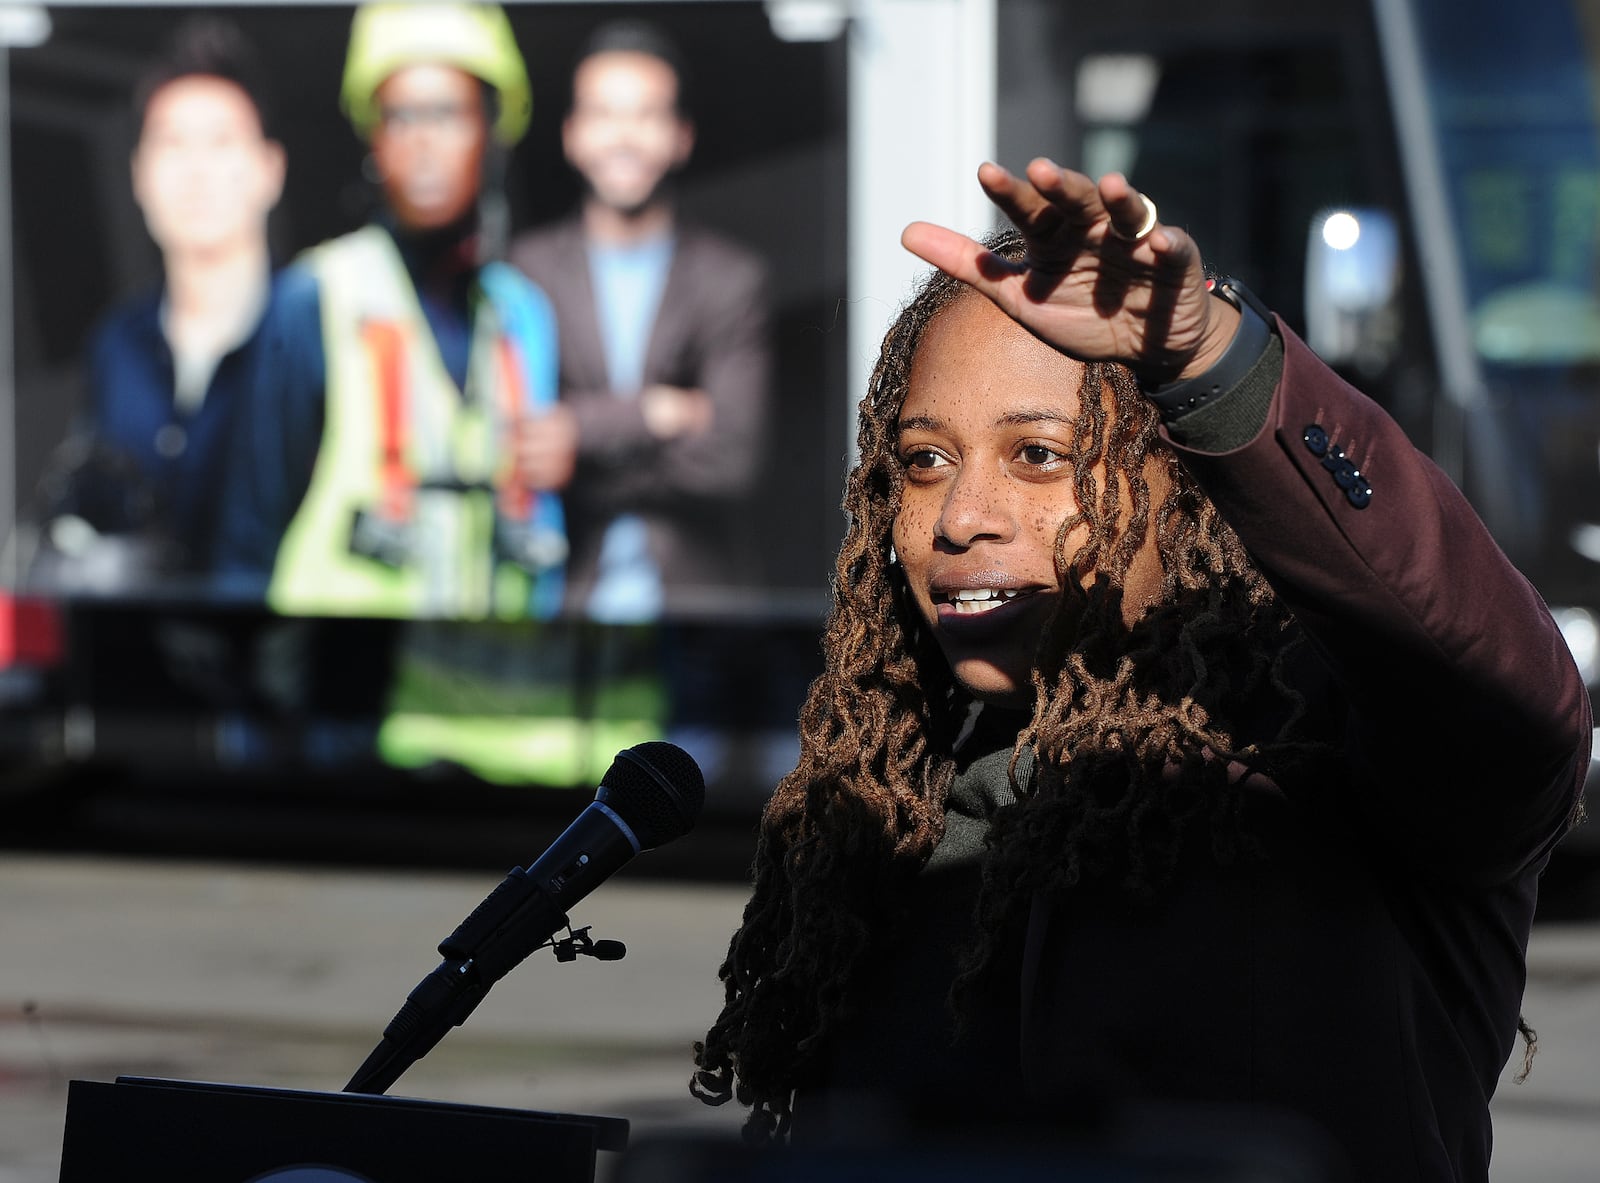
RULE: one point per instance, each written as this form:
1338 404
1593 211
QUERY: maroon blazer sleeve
1469 725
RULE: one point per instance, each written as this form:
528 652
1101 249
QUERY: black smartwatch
1176 399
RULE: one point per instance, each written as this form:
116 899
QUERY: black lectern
178 1131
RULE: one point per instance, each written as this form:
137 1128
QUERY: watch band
1176 399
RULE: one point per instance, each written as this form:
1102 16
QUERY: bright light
807 20
1341 231
23 26
1116 87
1582 634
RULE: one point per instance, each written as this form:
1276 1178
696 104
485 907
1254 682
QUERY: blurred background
235 827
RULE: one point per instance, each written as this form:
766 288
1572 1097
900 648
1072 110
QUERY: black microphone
651 794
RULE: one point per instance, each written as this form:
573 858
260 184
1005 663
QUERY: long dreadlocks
1115 709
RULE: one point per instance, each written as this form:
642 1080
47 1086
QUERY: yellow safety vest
400 518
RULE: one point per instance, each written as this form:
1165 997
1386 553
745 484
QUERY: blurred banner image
427 383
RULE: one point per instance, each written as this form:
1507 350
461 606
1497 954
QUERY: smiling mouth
977 601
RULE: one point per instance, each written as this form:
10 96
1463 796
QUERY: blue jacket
280 425
150 468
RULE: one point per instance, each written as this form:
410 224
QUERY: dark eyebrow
919 423
1017 418
1034 415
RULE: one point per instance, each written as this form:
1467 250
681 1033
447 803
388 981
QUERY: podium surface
173 1131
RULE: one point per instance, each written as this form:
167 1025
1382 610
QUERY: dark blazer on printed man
711 333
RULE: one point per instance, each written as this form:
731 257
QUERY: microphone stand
524 913
517 917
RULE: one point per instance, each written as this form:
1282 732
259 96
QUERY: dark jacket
1366 972
711 333
155 467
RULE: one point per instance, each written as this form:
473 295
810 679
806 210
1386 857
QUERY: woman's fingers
1020 200
1054 207
957 255
1102 277
1072 194
1001 280
1132 214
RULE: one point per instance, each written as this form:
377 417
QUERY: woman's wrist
1222 363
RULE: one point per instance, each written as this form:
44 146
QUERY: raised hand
1103 279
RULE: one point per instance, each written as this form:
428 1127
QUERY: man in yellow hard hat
388 483
410 472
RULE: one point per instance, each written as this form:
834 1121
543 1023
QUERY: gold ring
1145 227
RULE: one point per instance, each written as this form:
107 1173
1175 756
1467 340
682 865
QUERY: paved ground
282 977
210 971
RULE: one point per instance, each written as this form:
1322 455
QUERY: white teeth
981 599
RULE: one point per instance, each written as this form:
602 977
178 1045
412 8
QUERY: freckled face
985 437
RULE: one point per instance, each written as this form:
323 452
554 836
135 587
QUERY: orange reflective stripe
516 501
385 341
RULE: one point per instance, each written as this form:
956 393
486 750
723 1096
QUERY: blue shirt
628 282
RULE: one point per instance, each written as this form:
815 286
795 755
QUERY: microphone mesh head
657 789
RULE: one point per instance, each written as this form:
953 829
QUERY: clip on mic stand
516 919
